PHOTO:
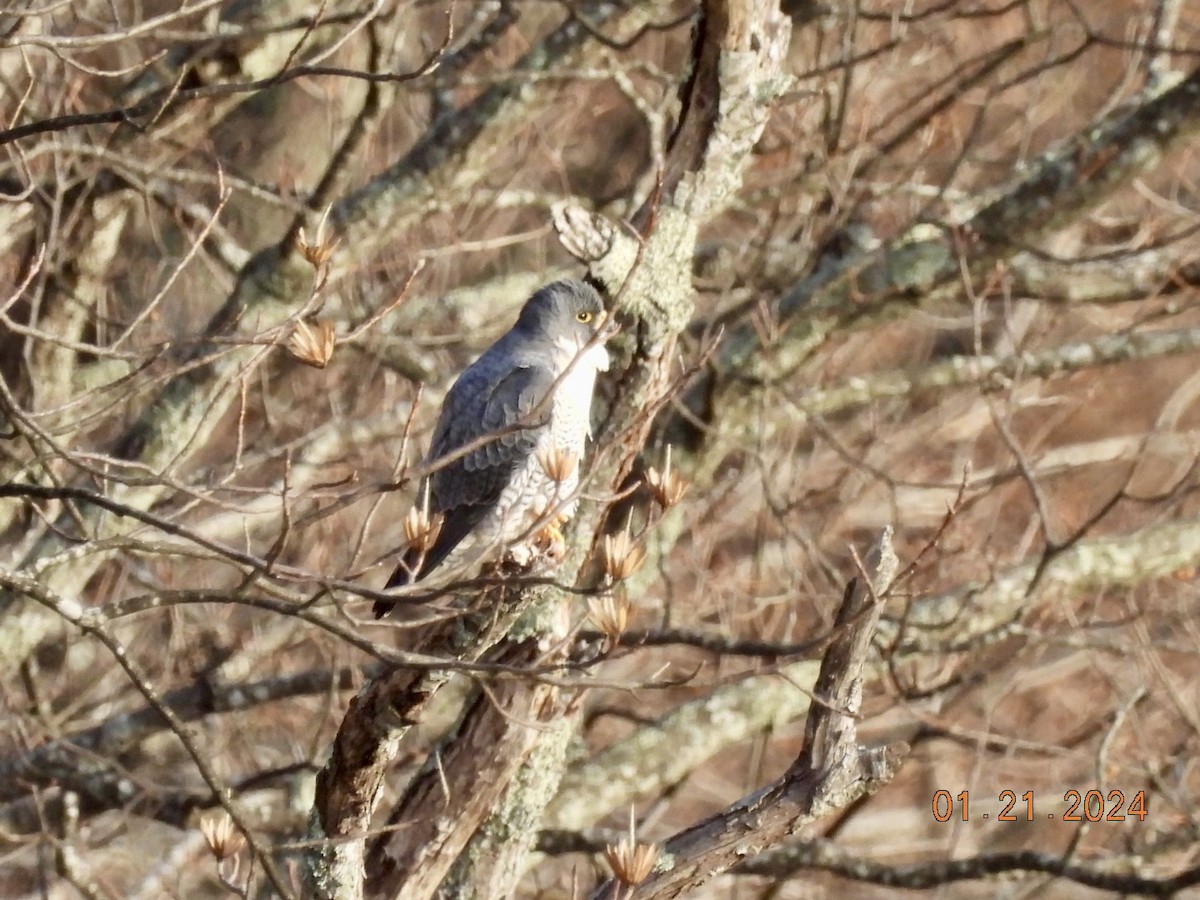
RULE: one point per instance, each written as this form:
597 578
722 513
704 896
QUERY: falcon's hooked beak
606 328
606 325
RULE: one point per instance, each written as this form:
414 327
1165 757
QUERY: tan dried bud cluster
318 254
222 836
610 614
621 556
631 861
421 529
668 486
320 249
559 464
312 344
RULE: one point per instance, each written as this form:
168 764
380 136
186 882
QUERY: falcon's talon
550 540
521 555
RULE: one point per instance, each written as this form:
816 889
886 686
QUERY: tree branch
787 862
831 771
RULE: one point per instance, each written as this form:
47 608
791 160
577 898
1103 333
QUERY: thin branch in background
791 861
157 105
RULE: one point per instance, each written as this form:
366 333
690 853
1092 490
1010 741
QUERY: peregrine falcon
511 431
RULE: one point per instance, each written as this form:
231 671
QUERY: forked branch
831 772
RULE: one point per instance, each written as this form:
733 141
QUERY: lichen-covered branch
924 266
476 783
385 710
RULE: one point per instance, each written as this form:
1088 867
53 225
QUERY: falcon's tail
415 565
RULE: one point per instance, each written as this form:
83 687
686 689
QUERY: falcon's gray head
569 313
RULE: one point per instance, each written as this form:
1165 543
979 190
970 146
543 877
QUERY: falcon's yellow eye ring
583 316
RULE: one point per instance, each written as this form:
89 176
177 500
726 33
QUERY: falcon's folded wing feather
467 488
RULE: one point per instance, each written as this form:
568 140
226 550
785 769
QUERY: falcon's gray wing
466 489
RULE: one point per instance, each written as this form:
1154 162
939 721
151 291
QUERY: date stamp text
1076 806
